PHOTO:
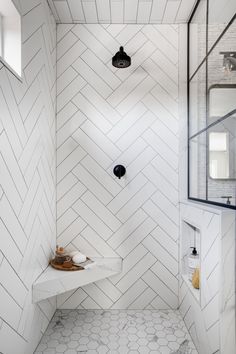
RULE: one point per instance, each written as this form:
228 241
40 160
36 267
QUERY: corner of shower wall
28 181
183 119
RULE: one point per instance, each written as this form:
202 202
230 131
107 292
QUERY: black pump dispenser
194 251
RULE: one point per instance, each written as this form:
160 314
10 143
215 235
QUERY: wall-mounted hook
119 171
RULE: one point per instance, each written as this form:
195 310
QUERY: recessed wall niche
190 237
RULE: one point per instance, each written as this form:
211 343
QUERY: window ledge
4 63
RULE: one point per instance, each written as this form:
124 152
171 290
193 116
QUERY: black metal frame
205 60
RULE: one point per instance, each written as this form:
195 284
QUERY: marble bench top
53 282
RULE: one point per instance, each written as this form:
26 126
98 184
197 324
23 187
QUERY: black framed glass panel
197 101
222 161
220 14
197 36
221 98
198 166
212 107
221 74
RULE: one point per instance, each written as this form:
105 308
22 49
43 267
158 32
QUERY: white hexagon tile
116 331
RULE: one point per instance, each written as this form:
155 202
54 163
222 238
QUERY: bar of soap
196 279
79 258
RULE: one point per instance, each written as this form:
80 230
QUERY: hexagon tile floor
116 331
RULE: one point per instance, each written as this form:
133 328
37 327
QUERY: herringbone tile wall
204 317
107 116
27 181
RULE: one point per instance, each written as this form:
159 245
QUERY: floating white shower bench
54 282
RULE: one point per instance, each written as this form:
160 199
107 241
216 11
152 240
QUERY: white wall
106 117
27 181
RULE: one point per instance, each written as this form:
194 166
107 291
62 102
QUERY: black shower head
121 59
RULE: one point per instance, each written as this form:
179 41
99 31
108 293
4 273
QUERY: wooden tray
60 267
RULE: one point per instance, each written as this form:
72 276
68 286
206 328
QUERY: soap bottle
193 262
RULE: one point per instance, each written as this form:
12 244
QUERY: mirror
219 155
222 136
222 100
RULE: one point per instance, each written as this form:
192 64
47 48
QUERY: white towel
72 253
90 265
79 258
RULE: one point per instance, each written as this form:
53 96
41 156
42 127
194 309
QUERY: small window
10 36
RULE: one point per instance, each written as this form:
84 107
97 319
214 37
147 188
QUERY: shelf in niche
54 282
195 292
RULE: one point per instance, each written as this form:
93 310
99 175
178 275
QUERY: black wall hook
119 171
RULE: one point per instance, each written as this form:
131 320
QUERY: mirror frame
227 115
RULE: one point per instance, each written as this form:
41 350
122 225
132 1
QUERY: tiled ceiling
122 11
